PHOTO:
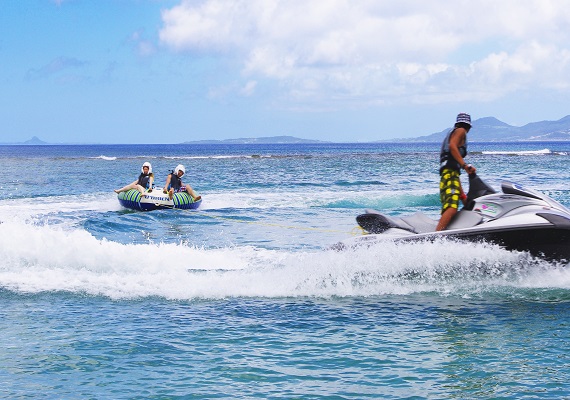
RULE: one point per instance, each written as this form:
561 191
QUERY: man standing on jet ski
453 150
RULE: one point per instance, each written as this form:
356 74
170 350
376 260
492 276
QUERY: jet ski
519 219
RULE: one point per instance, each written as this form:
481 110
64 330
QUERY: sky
170 71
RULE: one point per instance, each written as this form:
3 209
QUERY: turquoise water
244 299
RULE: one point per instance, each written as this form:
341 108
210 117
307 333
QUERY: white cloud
249 88
143 46
380 51
56 66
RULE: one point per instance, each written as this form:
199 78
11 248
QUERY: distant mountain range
261 140
490 129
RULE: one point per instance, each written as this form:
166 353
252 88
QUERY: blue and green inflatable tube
156 200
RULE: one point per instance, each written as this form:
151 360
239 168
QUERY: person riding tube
174 184
144 182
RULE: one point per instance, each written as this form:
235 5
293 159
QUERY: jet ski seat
376 222
465 219
420 222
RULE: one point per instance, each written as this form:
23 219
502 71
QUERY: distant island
490 129
33 141
260 140
487 129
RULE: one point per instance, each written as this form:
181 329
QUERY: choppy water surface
244 298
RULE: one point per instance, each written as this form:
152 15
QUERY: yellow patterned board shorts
449 189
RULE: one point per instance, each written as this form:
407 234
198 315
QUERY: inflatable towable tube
156 200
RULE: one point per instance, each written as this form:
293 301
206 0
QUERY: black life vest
446 160
175 181
144 180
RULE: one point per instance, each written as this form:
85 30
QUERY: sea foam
46 258
519 152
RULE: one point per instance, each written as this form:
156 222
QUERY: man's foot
197 198
117 191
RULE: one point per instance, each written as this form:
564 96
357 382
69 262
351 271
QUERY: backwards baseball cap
464 118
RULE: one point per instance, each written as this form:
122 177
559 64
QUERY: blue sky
169 71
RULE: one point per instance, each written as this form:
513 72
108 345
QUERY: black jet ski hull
545 242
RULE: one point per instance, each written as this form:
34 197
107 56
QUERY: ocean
245 298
